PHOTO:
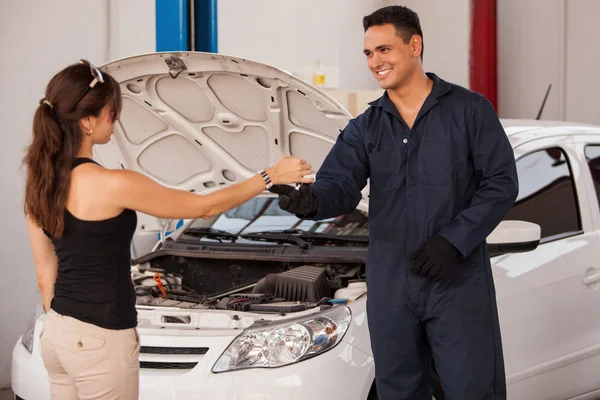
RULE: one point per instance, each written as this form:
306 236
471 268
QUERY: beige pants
87 362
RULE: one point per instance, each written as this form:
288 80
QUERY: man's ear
416 44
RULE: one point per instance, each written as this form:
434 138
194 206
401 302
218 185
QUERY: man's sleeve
496 171
342 175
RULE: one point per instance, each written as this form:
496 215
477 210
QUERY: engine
279 289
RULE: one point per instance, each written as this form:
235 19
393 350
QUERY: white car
258 305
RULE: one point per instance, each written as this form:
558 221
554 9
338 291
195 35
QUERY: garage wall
544 42
582 86
294 34
34 46
530 57
446 34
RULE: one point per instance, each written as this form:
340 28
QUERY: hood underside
199 121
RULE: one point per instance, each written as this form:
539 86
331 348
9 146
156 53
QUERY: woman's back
93 283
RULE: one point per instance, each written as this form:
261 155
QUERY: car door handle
590 279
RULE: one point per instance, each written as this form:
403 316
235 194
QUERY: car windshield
262 214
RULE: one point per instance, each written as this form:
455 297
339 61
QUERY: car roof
546 128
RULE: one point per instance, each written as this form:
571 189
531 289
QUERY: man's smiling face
389 58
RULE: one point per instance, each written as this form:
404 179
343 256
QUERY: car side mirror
513 237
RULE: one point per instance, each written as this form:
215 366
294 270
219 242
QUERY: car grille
171 358
167 365
173 350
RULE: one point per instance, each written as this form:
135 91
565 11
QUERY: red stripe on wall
483 63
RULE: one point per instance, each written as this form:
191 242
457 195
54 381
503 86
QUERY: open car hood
199 121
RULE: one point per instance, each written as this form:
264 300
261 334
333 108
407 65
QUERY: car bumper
29 379
342 373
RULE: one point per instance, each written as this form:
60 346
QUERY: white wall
542 42
582 82
34 46
294 34
530 57
446 36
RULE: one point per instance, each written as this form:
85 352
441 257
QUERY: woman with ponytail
81 219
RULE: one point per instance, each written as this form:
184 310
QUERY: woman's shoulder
92 193
92 169
103 180
118 181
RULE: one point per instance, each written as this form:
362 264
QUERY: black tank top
94 263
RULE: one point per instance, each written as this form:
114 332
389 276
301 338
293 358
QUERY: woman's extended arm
135 191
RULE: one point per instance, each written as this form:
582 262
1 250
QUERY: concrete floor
6 394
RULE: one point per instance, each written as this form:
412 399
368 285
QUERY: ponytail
57 139
48 168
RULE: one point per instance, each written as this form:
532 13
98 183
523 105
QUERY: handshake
300 202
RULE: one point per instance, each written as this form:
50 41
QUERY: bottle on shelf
319 75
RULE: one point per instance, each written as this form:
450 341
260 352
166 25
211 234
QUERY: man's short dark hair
405 20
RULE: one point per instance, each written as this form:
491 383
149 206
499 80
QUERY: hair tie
46 102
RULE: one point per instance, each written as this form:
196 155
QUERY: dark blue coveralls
453 173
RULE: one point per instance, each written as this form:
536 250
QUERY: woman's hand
290 169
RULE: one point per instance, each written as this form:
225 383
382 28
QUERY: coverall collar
440 88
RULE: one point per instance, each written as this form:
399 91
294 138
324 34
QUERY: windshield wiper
338 238
278 237
211 233
306 236
290 231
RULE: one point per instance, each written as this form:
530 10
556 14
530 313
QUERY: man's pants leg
463 331
400 349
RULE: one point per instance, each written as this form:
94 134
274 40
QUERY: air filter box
306 284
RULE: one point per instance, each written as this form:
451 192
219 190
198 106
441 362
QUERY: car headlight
276 345
27 338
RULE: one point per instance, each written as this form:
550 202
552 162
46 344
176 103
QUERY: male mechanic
442 176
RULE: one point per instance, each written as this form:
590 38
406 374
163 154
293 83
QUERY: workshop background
537 42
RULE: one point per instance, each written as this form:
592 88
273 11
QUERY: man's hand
301 202
436 258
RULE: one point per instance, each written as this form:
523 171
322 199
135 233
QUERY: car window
547 194
592 156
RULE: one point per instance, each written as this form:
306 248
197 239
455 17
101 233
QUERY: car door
545 310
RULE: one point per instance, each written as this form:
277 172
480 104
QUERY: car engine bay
244 285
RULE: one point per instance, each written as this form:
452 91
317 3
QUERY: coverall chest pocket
385 170
436 163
